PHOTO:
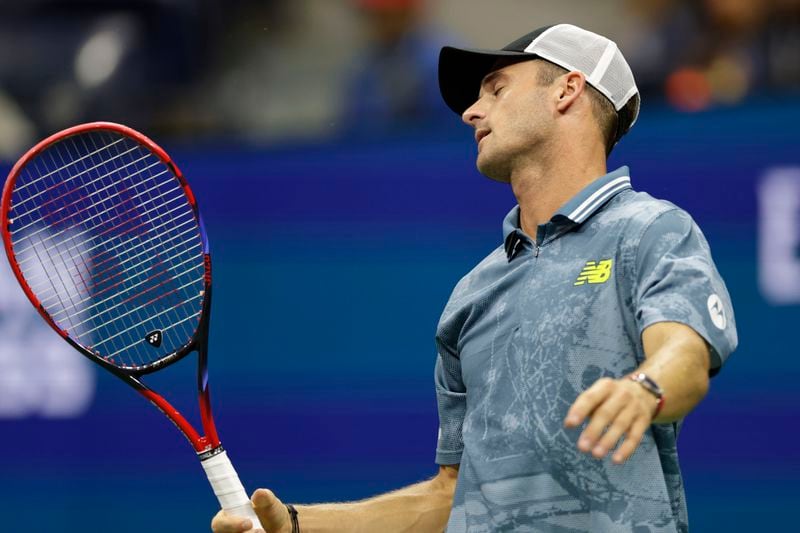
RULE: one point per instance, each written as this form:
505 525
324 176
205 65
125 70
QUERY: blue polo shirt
537 322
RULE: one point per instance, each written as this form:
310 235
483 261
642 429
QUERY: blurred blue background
343 205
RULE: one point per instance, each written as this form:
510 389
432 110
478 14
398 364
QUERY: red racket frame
205 445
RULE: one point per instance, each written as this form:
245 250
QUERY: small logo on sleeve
717 311
595 272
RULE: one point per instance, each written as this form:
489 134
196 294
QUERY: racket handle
228 489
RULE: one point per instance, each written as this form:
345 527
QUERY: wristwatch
652 387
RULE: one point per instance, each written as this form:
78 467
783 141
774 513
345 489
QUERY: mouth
481 133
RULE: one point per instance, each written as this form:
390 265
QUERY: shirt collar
512 239
595 195
578 209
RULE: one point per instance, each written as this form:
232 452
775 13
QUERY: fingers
271 511
619 428
632 440
617 409
606 415
588 401
223 523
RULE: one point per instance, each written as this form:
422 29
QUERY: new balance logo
595 272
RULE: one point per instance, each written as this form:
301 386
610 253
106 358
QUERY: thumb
270 510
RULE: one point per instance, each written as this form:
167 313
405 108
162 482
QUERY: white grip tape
227 487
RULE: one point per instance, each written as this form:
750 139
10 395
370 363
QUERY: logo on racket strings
154 338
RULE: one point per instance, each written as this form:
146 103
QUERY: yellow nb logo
595 272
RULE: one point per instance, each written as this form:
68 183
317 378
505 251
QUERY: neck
543 186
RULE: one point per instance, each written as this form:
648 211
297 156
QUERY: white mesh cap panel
596 56
618 82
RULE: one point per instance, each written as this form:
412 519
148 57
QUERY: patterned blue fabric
539 321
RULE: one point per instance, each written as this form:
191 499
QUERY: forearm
420 508
678 360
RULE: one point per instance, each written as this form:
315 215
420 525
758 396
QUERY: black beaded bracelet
293 515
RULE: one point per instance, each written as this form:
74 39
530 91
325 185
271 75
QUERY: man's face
511 118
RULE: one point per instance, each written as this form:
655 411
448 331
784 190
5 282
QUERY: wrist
648 384
293 520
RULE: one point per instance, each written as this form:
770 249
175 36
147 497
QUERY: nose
472 114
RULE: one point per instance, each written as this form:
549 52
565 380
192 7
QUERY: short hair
602 108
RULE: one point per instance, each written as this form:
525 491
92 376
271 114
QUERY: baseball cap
461 70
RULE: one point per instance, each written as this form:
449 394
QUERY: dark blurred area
277 71
703 53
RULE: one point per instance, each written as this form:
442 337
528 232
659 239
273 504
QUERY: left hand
621 407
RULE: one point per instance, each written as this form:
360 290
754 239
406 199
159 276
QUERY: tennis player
570 355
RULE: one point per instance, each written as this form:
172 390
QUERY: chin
494 170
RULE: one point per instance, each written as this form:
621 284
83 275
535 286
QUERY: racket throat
200 443
208 454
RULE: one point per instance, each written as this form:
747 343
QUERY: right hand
271 512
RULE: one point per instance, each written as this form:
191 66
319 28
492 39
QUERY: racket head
104 236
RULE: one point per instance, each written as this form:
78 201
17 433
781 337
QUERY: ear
571 86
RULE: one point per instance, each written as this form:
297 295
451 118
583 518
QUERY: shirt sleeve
451 397
677 281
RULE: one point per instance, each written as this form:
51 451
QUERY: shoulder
470 289
638 210
483 274
644 228
637 216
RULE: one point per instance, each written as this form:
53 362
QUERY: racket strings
104 256
45 257
54 236
59 169
193 275
131 311
130 268
130 297
35 208
105 249
159 277
107 240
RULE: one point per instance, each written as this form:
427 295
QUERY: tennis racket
104 236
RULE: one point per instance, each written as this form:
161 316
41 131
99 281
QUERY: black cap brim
461 71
